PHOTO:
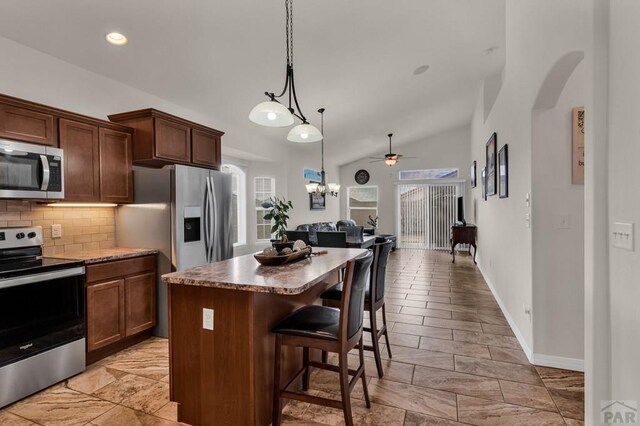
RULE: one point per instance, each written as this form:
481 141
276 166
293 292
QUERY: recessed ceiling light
116 39
421 69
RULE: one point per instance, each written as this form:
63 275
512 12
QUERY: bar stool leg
276 383
365 389
305 364
374 342
343 365
386 330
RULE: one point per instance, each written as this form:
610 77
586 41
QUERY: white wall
32 75
538 34
558 252
299 157
624 201
445 150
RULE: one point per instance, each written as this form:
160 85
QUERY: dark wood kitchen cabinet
97 163
106 322
205 149
161 139
80 142
121 304
27 125
116 175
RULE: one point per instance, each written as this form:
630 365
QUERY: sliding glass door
425 213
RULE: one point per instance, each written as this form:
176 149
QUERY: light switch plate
527 220
622 236
207 319
56 231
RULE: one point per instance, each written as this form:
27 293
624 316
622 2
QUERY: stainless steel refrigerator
185 213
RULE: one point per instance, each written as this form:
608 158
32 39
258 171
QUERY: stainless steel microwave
30 171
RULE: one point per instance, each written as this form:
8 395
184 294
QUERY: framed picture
317 201
474 183
491 165
503 171
483 178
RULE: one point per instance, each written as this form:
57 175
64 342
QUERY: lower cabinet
121 304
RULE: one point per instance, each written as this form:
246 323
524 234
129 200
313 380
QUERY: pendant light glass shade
311 187
304 133
334 188
390 161
271 114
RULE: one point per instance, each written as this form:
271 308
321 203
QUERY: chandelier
323 188
273 113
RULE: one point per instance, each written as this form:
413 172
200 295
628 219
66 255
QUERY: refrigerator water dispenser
191 224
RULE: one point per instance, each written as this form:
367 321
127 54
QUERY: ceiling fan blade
407 157
376 158
376 161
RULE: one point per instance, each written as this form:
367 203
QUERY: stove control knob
20 235
31 235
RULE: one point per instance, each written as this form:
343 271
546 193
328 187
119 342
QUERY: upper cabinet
27 125
162 139
98 154
116 183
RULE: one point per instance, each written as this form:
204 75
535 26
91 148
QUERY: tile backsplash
83 228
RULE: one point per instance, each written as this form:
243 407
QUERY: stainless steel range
42 315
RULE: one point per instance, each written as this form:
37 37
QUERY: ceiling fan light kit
273 113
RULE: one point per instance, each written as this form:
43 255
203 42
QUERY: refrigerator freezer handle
207 213
215 251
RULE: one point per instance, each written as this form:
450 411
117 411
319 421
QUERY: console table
464 234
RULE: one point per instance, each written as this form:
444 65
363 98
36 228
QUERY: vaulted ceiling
355 58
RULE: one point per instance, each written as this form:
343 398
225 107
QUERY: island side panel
269 310
211 370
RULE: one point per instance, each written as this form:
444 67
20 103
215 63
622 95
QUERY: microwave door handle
46 172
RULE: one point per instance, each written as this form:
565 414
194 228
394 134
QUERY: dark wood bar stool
374 300
330 330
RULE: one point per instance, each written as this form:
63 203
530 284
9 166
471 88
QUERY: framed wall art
474 182
491 174
317 201
503 171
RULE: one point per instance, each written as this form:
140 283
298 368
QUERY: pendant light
272 113
323 188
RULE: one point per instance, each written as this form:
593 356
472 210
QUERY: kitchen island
221 365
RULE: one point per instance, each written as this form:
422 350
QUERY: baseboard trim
573 364
523 343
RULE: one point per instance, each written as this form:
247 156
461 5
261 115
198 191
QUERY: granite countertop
105 255
246 274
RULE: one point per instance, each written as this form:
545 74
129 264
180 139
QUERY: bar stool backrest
298 235
332 239
379 269
353 294
354 233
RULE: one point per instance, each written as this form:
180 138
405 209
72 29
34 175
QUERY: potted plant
278 213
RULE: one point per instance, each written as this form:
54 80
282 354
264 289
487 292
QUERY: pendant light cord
288 4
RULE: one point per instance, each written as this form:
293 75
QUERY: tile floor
455 361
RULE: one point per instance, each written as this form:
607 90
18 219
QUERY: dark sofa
330 227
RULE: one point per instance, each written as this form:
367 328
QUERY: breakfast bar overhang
224 375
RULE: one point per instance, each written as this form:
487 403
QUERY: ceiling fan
390 159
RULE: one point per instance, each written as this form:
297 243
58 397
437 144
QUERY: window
238 204
428 174
362 202
265 189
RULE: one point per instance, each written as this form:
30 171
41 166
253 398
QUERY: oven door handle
37 278
46 173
